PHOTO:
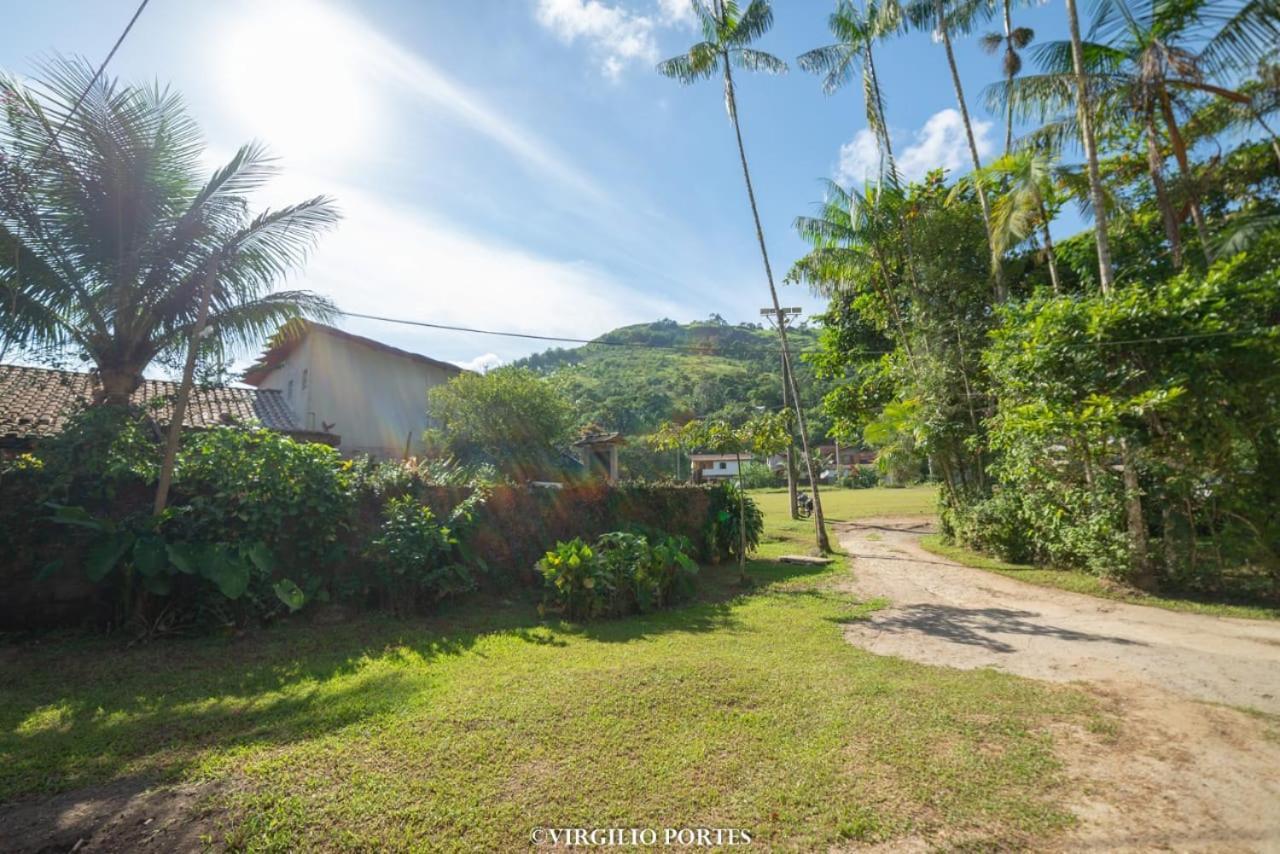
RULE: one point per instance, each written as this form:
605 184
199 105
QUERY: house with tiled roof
36 402
371 394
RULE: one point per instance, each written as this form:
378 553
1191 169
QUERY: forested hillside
642 375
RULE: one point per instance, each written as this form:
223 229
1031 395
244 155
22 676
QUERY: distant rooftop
289 336
36 402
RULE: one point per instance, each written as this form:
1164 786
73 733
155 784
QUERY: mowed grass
466 730
1077 581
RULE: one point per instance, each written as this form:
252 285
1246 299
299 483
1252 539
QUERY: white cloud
859 159
618 35
677 13
394 260
483 363
939 143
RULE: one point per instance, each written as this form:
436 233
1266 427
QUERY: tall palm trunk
1008 80
882 129
996 267
1106 275
1155 165
824 544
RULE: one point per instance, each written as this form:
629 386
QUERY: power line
92 81
637 345
707 349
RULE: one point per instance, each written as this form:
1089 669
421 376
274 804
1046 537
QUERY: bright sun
293 74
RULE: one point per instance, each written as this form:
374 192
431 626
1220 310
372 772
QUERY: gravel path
1185 772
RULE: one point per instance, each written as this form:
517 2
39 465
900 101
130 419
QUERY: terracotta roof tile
36 402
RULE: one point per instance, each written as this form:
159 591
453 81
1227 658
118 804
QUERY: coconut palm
945 17
1009 43
857 31
1028 203
1151 65
110 243
727 35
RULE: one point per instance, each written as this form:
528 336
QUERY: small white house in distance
372 395
715 466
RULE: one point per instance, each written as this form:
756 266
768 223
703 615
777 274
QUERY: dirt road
1182 774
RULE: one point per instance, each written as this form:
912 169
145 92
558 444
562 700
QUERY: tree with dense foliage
510 418
109 236
727 35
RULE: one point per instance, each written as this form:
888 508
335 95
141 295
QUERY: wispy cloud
618 36
939 143
483 363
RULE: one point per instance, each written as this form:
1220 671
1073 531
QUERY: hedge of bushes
260 526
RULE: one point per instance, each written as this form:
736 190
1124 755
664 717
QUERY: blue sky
518 164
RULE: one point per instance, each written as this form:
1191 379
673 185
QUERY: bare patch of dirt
121 816
1181 772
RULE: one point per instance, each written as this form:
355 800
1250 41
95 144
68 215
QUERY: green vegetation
112 239
509 418
464 731
1077 581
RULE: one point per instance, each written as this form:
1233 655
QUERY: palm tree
114 247
856 31
1029 200
727 35
1012 40
1137 66
961 15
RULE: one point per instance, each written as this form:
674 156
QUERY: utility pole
770 315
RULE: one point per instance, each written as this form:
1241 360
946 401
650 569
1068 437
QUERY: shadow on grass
77 712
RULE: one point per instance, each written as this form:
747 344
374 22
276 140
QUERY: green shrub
861 477
757 475
723 538
414 559
625 573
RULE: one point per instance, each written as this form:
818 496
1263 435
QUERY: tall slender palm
1010 42
945 18
857 31
110 236
727 35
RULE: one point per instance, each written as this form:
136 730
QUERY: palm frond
757 60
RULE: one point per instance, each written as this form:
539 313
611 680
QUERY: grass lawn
842 505
467 730
1083 582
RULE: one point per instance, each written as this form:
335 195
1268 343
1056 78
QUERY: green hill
642 375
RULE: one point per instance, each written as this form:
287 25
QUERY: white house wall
374 400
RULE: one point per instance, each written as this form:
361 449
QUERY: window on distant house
304 379
724 465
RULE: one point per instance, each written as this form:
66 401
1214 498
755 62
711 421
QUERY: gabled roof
36 402
291 335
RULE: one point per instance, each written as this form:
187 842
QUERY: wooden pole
184 391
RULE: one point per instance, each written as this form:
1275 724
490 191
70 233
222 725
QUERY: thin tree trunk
824 544
184 392
793 499
742 521
1184 168
1008 80
997 270
1155 165
1140 559
1049 255
1106 275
